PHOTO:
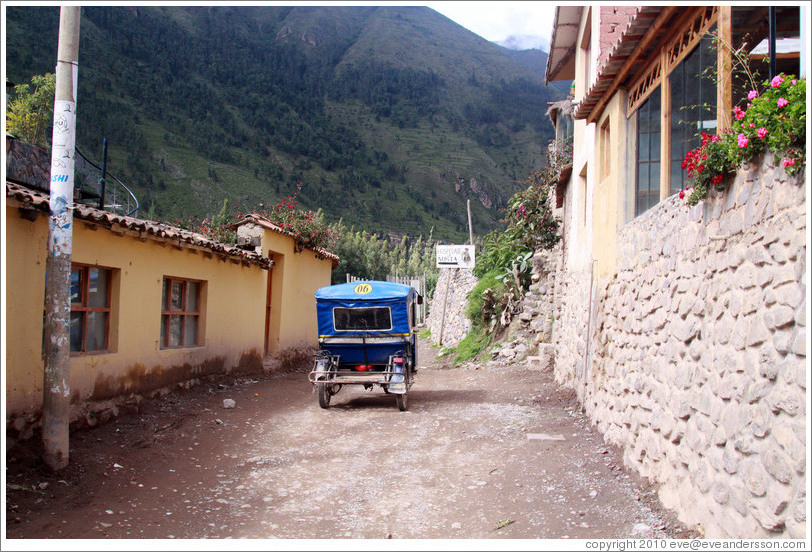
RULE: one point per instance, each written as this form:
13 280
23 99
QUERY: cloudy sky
496 21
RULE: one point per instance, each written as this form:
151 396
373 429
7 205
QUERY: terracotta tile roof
145 228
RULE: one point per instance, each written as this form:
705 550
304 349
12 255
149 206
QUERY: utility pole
470 227
56 377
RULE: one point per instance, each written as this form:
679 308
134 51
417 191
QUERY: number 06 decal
363 289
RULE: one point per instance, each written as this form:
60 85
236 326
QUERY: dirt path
496 453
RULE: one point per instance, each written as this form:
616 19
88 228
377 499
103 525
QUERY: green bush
472 345
476 307
29 115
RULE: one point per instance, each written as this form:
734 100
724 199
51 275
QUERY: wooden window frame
695 23
605 145
83 306
167 312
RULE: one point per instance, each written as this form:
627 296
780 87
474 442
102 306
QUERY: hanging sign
455 256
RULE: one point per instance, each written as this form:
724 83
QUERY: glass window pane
191 297
99 278
164 321
655 108
76 284
643 119
642 178
96 331
190 336
177 295
645 154
676 176
654 182
175 330
655 145
164 303
76 331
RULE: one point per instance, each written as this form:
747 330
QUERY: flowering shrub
774 118
307 227
707 165
529 213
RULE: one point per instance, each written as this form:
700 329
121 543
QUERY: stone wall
28 164
570 329
698 362
452 290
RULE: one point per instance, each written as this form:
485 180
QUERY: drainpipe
56 376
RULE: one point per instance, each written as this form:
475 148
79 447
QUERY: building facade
152 306
683 329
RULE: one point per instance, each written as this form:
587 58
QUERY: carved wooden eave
634 56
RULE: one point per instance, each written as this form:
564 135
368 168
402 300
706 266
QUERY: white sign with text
455 256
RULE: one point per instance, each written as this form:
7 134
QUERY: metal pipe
103 180
772 23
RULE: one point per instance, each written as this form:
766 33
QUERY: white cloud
496 21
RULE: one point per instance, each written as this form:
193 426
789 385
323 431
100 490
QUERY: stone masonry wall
570 329
698 368
452 289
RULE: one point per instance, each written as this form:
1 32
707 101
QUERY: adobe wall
698 361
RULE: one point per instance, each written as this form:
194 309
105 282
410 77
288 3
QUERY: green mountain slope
388 117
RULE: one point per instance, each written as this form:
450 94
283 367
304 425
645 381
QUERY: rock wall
27 163
453 286
698 361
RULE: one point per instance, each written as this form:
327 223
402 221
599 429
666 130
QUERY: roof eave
562 44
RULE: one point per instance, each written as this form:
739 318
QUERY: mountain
388 117
536 60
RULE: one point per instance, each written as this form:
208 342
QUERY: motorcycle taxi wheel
403 401
324 394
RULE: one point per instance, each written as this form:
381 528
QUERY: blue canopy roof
369 290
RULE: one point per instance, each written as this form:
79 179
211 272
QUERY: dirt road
493 453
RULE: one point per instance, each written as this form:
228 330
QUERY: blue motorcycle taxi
366 337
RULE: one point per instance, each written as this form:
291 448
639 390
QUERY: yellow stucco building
152 306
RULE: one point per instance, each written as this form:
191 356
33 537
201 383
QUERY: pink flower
794 81
752 125
762 132
782 102
743 140
776 82
787 162
715 138
752 95
738 112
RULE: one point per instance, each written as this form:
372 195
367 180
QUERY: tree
29 114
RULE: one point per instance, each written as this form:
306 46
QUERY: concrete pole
56 379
